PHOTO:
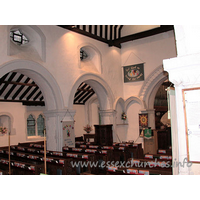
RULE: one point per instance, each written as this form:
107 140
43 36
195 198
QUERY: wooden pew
55 165
29 144
100 155
22 168
163 166
81 157
158 156
111 170
164 151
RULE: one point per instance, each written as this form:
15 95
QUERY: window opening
83 54
18 37
40 125
30 126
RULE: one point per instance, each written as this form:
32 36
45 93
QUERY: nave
86 158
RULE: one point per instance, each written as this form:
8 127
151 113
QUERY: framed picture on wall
143 123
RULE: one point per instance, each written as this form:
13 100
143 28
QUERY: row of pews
150 164
28 159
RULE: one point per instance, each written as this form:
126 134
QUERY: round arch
151 85
101 88
43 78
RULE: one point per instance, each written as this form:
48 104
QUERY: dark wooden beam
111 31
101 30
84 96
32 93
106 32
38 94
26 91
71 28
24 102
119 31
6 84
88 97
86 90
20 89
115 32
3 78
90 29
18 83
13 87
144 34
88 34
79 91
95 29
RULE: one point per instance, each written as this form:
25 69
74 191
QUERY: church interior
96 99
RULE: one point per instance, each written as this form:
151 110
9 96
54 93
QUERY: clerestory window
18 37
83 54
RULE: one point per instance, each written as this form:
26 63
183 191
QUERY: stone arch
151 85
101 88
132 99
43 78
119 101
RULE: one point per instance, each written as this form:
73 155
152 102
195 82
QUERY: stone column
184 72
53 119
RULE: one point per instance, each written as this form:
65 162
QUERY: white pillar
54 130
184 72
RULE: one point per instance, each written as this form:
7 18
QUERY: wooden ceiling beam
161 29
13 87
9 80
88 34
24 102
18 83
27 90
20 89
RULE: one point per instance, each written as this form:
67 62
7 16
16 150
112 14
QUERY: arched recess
93 63
101 88
132 99
43 78
36 45
9 123
119 101
151 85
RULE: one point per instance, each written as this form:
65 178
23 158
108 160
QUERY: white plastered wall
184 72
59 72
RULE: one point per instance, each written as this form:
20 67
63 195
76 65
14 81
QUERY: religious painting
134 73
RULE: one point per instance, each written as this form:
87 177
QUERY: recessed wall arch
37 40
132 99
43 78
93 62
101 88
119 101
11 120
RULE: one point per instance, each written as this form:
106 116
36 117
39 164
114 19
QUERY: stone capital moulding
184 70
